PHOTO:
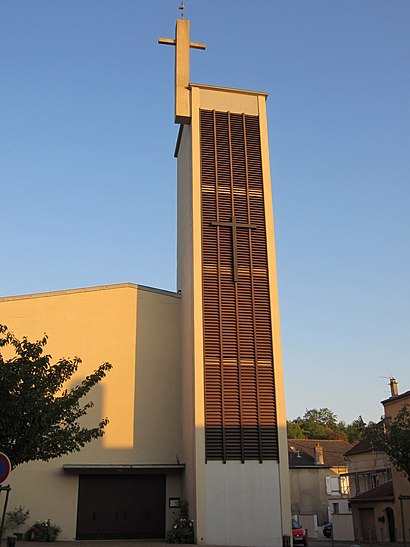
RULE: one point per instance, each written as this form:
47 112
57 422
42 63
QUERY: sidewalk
98 543
313 542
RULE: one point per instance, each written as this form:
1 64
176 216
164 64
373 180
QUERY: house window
332 485
372 481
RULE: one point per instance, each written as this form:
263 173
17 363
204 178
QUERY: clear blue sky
88 176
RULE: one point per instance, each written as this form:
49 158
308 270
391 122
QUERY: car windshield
295 524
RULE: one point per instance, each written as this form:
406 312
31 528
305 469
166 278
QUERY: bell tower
233 411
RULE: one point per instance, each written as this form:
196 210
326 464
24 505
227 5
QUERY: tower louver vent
240 410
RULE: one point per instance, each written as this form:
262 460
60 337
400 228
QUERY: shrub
183 529
43 531
17 517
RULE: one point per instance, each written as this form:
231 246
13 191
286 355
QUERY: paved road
313 542
104 543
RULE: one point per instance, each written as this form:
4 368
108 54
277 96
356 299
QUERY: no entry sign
5 467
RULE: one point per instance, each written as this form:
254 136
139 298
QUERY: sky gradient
88 178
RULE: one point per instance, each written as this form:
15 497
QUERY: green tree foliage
356 431
39 418
323 424
295 430
392 436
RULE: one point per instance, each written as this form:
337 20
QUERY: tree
323 424
39 418
323 416
356 431
392 436
295 431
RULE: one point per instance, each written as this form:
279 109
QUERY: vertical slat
237 311
252 296
221 345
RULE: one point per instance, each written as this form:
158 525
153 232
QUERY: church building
195 399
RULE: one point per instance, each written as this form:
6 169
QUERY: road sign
5 467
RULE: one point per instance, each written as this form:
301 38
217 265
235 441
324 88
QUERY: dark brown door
390 523
121 507
367 523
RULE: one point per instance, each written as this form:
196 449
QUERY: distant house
379 494
401 486
367 468
371 492
318 477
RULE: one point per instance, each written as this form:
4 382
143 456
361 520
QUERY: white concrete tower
234 423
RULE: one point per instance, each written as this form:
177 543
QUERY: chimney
319 459
393 387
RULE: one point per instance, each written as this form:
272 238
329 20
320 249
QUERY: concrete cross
182 45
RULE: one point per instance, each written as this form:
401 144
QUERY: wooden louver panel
240 410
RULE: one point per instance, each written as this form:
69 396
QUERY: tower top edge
229 89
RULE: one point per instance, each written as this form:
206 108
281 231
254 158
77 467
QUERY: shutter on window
328 485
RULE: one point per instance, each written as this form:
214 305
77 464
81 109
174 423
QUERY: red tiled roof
304 449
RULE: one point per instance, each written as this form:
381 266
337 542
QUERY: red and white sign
5 467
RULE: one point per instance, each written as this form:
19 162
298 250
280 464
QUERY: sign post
5 468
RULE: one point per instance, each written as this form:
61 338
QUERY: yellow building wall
134 328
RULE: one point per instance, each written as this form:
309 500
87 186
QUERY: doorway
121 507
390 524
367 524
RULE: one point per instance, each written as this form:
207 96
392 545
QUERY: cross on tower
234 225
182 46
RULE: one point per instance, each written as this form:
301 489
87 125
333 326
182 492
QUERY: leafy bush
17 517
43 531
183 529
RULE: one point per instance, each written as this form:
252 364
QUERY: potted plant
17 517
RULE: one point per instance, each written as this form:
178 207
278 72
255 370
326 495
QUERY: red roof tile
302 452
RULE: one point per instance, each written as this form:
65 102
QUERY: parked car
328 529
298 533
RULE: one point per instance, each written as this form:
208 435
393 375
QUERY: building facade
371 492
195 398
379 493
106 490
401 484
318 485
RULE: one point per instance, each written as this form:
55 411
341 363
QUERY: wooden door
121 507
367 524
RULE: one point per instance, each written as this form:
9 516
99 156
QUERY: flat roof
229 89
89 289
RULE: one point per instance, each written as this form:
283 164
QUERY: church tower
233 412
